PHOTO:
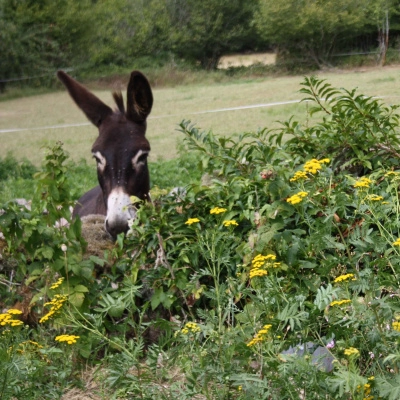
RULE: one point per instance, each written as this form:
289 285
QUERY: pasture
206 106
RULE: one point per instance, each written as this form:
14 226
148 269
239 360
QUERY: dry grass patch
246 60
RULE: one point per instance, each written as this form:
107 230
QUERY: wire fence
25 78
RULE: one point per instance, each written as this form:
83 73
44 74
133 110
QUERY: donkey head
120 150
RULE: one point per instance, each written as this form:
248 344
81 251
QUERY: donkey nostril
116 228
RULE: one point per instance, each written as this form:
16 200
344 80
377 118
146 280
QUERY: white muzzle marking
119 208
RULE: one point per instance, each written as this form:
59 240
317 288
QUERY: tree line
38 36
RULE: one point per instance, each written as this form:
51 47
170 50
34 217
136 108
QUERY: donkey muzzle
119 211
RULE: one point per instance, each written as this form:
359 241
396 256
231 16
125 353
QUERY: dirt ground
245 60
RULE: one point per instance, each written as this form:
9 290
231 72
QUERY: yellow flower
8 318
394 173
257 272
374 197
56 304
217 210
396 326
57 284
339 302
15 322
190 327
191 221
299 175
260 264
14 311
351 351
312 166
70 339
297 198
397 242
363 182
342 278
260 336
231 222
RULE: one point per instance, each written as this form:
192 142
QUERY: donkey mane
119 100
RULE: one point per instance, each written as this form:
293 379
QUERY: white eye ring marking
135 160
101 161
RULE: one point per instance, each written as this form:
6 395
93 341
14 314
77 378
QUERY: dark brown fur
120 150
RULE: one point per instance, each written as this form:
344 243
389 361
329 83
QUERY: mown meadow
275 276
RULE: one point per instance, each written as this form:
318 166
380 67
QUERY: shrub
292 287
279 279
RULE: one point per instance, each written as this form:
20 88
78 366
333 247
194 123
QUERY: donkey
120 151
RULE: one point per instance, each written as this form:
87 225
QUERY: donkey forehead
119 136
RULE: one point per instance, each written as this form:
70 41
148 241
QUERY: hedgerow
278 279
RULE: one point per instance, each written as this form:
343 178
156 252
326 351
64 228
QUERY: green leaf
158 297
76 299
98 261
81 289
389 388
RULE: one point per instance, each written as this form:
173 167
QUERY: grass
172 105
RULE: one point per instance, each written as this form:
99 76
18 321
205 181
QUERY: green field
172 105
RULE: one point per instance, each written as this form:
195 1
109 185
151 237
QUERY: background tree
383 13
309 31
36 37
127 29
206 30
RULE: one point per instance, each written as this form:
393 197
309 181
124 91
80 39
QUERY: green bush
278 279
308 259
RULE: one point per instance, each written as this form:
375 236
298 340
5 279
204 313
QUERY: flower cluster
70 339
397 242
31 343
190 327
298 175
261 335
363 182
345 277
191 221
217 210
29 346
56 305
392 173
8 318
351 351
396 326
339 302
374 197
231 222
297 198
314 165
57 284
367 389
260 264
310 167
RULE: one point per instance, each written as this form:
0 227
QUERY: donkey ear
139 97
92 106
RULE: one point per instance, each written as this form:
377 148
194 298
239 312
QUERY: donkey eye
100 160
140 159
